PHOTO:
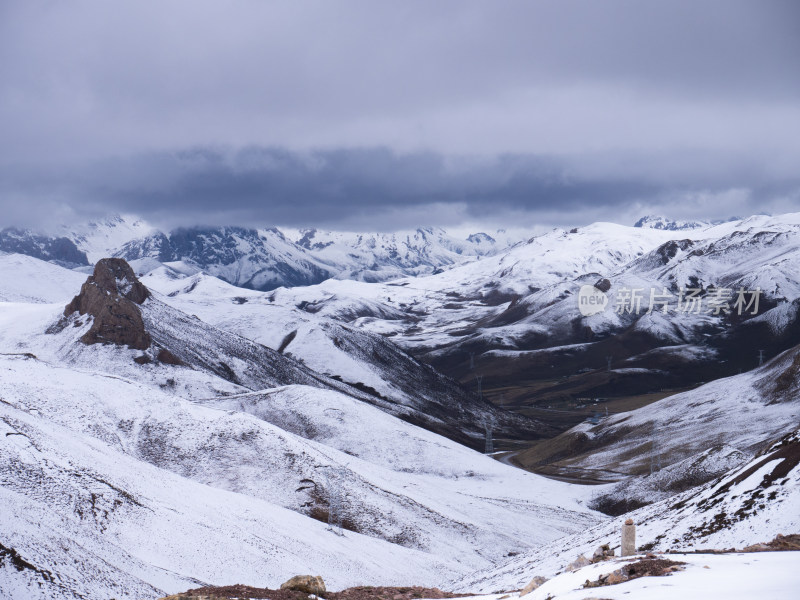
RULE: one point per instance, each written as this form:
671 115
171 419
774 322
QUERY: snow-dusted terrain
743 411
27 279
270 258
531 289
212 449
514 316
749 505
132 480
702 577
392 379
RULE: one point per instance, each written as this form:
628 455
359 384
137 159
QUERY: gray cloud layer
352 112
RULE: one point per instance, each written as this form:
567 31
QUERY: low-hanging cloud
381 188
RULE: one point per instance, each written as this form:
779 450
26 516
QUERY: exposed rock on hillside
111 297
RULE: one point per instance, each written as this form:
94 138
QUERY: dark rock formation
111 296
603 285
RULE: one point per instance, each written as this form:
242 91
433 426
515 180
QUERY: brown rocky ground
781 543
650 566
355 593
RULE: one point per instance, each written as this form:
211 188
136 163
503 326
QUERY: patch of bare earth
354 593
646 567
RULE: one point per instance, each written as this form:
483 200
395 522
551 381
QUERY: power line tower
471 361
655 449
479 379
333 487
760 357
488 426
609 358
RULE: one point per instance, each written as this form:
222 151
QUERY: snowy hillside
749 505
656 222
194 432
94 518
383 256
26 279
220 471
367 362
742 411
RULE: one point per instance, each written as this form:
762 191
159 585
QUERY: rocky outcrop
533 584
111 296
650 566
603 552
578 563
308 584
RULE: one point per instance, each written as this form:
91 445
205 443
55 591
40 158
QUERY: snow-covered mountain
99 239
247 258
514 316
379 257
265 259
231 451
657 222
59 250
26 279
513 309
189 432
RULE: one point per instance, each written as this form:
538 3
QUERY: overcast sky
380 115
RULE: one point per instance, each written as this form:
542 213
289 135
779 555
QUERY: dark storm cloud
342 188
341 110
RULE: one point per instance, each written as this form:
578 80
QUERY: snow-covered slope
262 259
772 575
93 517
27 279
500 311
384 256
100 239
657 222
743 411
368 362
266 258
203 413
429 506
749 505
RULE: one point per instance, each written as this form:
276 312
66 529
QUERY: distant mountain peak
665 224
481 238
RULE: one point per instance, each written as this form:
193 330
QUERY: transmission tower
655 449
488 426
760 357
335 500
471 361
609 358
